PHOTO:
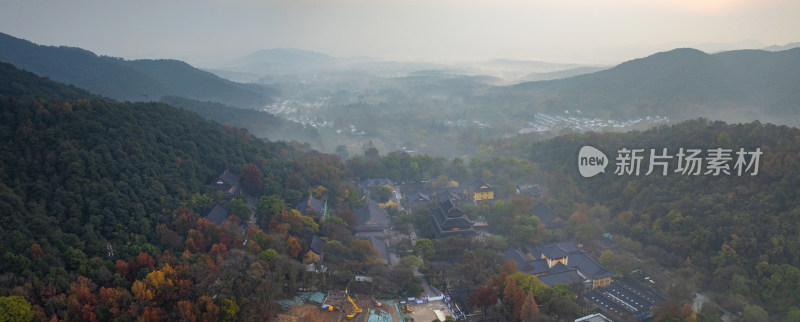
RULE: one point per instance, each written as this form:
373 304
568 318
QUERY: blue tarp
379 316
307 297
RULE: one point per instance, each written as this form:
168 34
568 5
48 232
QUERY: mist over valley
415 161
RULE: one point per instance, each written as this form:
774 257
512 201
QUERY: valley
313 187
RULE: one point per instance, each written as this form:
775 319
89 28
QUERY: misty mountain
784 47
285 56
128 80
280 61
572 72
289 65
259 123
680 84
716 47
530 64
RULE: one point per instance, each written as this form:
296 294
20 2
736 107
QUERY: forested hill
76 165
741 85
727 227
78 170
259 123
103 203
129 80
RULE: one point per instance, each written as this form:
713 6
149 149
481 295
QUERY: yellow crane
355 311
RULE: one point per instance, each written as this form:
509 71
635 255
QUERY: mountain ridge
285 56
678 83
128 80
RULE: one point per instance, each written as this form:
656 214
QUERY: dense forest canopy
103 204
726 227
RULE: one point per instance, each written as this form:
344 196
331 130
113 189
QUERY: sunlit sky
205 32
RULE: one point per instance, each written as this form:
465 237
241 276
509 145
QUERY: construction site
340 306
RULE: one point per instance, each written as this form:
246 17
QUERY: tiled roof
517 256
382 248
476 185
570 277
447 222
371 214
230 177
537 267
218 214
419 197
588 266
450 209
317 205
316 244
449 193
228 182
558 268
550 251
547 216
577 262
569 247
438 232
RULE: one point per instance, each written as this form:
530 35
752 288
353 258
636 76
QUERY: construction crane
355 311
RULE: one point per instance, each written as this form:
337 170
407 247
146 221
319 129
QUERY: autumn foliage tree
519 301
252 178
91 196
293 246
15 308
349 217
184 220
483 297
186 310
669 309
381 194
209 310
530 310
509 292
36 251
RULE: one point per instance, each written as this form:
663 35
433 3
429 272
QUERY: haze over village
396 160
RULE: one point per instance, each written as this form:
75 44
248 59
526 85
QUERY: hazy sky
584 31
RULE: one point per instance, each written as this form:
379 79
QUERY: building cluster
556 263
626 299
566 263
373 220
560 263
447 218
228 186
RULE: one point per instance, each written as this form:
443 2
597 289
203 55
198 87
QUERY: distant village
543 122
565 262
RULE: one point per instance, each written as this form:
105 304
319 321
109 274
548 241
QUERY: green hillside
710 230
103 169
259 123
742 85
124 80
103 204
